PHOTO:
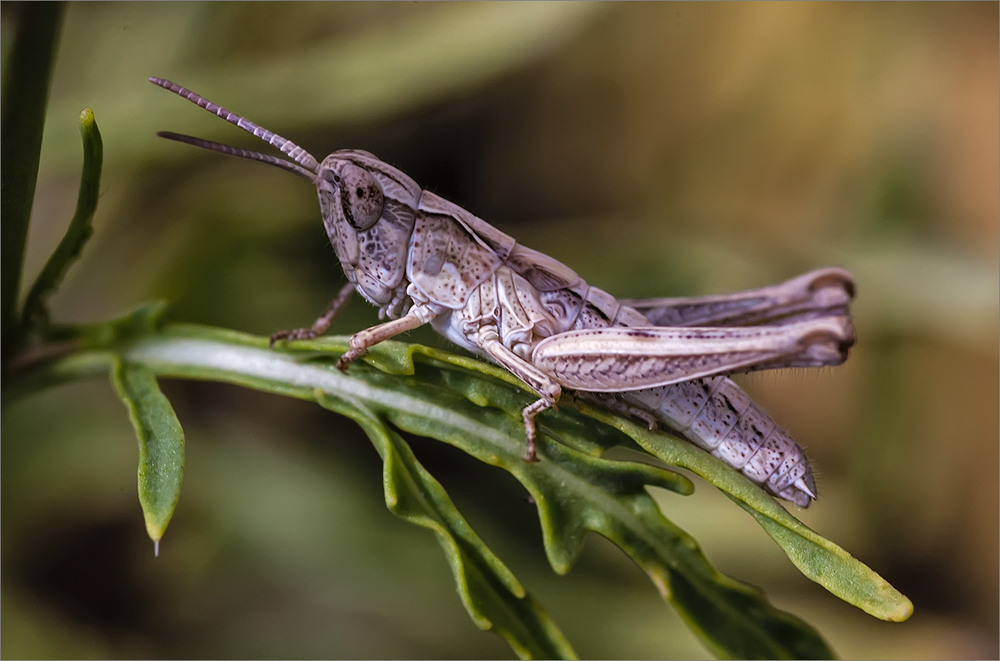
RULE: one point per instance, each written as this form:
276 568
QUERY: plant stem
25 94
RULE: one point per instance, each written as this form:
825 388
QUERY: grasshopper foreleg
369 337
321 325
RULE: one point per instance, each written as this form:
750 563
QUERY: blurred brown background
659 149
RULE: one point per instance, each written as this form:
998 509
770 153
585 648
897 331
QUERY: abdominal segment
715 414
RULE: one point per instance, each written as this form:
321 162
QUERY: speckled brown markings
422 259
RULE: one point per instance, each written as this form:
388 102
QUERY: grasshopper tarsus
528 414
292 335
351 355
531 455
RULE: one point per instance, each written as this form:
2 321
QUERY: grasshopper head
369 208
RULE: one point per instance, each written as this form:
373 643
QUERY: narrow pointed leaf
816 557
161 444
80 227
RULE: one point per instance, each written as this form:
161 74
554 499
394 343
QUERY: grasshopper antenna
241 153
306 160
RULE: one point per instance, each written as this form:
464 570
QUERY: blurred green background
659 149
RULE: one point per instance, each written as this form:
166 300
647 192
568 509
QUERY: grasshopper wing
620 359
821 293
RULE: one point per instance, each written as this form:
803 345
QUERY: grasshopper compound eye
360 196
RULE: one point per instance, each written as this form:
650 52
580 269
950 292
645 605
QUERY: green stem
25 94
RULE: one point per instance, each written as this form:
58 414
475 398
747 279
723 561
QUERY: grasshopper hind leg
548 390
528 414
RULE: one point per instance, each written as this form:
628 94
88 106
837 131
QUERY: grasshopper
422 259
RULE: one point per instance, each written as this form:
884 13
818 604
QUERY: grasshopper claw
344 361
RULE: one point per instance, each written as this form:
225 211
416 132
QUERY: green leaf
80 227
457 401
834 568
577 492
473 406
161 444
491 594
818 558
25 93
